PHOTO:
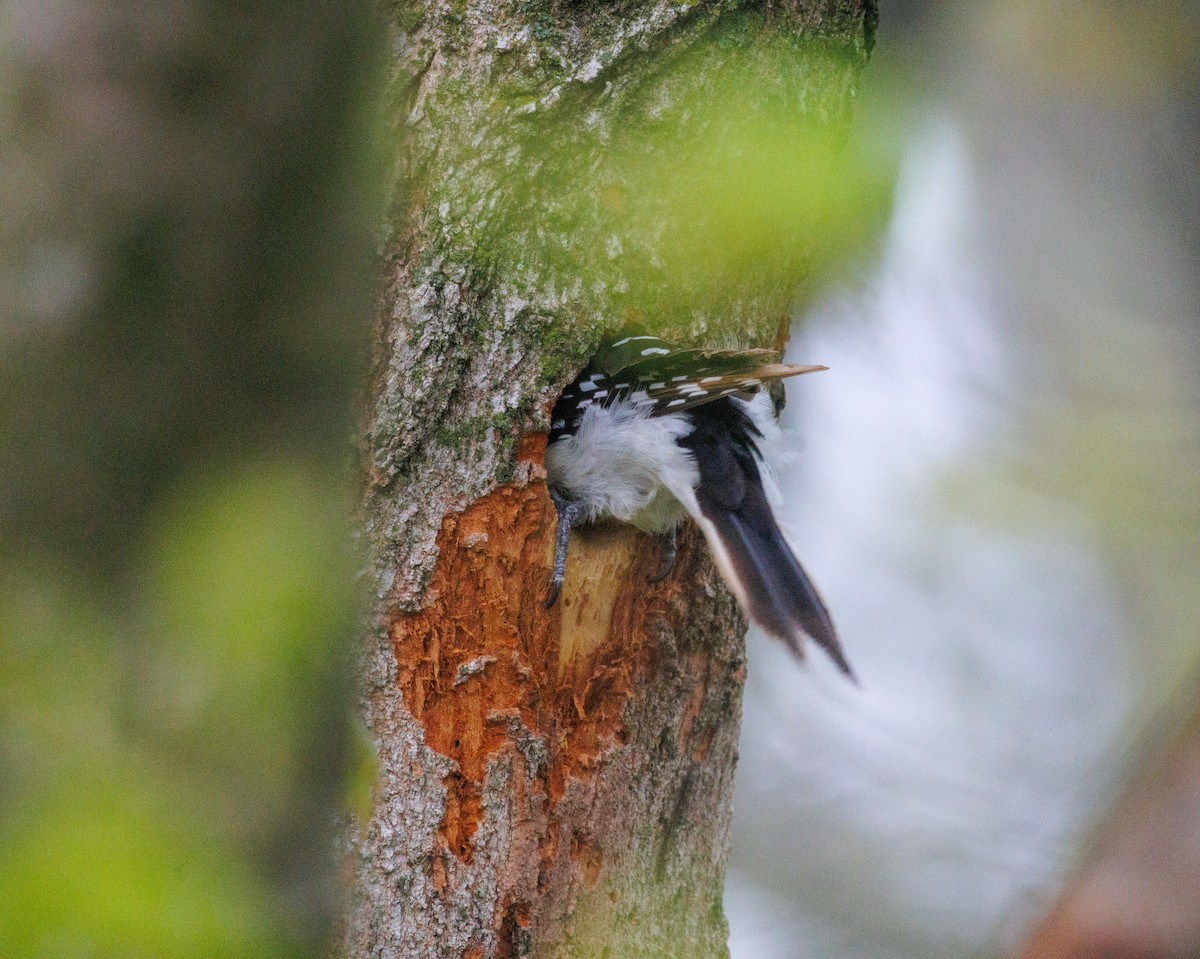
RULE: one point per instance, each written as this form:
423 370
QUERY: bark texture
552 783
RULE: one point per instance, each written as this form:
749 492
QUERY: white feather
762 414
622 462
720 554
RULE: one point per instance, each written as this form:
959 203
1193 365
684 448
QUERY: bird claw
569 513
670 546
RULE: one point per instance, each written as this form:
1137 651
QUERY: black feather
639 366
779 595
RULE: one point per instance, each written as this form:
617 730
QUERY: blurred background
185 277
997 487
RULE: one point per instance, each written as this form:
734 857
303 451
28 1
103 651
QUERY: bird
649 434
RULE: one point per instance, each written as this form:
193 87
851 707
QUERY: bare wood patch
484 663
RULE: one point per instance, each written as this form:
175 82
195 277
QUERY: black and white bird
649 434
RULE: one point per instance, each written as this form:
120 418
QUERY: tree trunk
553 782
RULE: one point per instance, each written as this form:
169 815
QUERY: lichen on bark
558 782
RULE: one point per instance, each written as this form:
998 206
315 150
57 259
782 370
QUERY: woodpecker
649 434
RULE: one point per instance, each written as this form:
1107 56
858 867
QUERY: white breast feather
619 461
626 464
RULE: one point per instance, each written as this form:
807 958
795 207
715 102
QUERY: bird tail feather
731 507
776 592
760 568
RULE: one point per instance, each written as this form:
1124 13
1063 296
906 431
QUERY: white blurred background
996 486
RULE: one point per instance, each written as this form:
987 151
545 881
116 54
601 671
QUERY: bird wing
685 392
730 505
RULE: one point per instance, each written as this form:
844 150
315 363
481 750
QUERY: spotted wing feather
644 352
643 367
678 394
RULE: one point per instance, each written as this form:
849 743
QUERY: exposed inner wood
485 664
599 567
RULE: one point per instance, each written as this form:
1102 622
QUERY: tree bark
552 782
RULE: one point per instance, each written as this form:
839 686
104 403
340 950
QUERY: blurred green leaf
105 867
171 778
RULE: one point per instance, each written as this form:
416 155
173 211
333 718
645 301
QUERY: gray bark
553 783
